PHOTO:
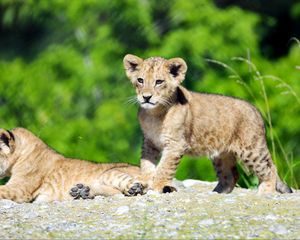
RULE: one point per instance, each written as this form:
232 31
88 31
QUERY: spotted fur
177 122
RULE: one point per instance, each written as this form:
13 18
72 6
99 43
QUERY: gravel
194 212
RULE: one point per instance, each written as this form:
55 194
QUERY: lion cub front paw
80 191
163 188
169 189
135 189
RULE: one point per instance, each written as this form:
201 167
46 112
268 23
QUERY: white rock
212 193
30 215
152 192
271 217
229 200
99 197
120 195
6 204
6 226
278 229
207 222
190 182
122 210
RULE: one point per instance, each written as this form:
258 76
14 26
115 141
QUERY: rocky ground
194 212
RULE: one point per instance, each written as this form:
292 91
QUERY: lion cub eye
140 80
158 82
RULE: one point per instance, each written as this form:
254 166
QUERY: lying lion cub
38 173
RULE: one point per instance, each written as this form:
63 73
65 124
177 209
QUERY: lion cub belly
57 184
201 147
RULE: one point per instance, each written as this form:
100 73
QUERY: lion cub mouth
148 105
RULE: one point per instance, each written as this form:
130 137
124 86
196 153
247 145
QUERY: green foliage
62 77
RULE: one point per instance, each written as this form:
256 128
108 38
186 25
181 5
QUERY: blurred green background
61 73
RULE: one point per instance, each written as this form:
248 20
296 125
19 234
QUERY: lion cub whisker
131 101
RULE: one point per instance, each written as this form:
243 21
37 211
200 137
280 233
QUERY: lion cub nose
147 98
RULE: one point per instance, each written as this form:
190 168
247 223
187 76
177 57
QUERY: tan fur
39 173
176 122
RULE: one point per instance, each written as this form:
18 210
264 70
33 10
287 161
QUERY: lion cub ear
132 64
7 141
177 69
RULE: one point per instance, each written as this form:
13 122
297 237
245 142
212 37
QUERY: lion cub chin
176 122
37 173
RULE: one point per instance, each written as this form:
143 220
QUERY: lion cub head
7 147
155 79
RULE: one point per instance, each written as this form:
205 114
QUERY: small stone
152 192
119 195
229 200
278 229
207 222
271 217
122 210
79 185
6 204
30 215
254 235
100 197
5 226
190 182
212 193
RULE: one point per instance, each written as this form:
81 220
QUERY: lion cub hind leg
15 193
123 181
225 166
111 182
81 191
260 162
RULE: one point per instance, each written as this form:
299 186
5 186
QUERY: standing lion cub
37 173
176 122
